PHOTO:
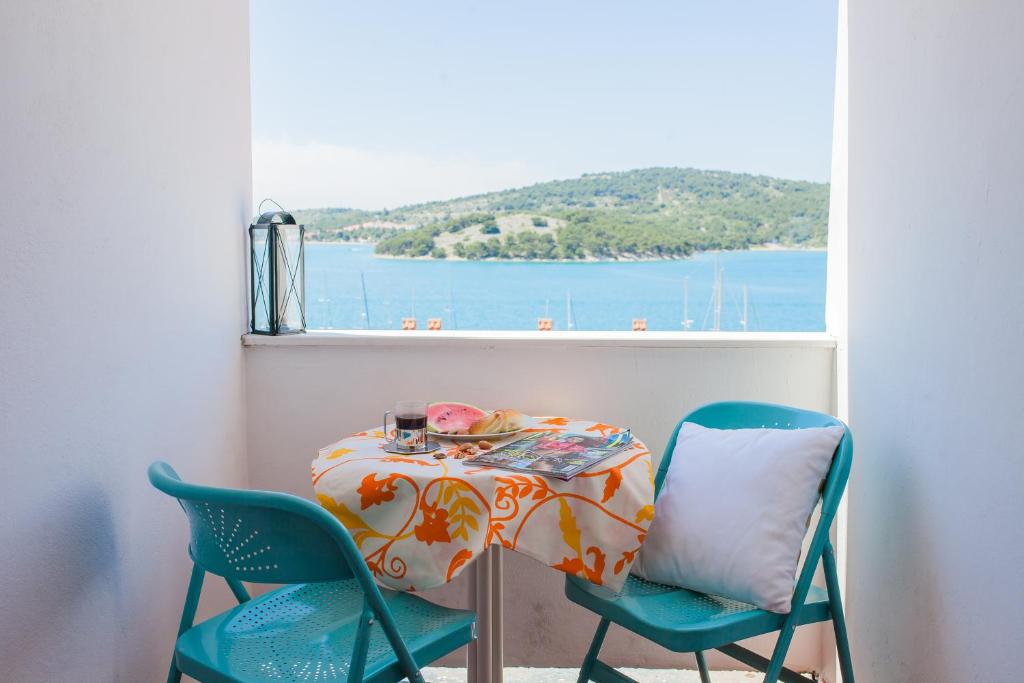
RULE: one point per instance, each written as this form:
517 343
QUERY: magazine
553 454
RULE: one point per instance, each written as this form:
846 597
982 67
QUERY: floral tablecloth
419 520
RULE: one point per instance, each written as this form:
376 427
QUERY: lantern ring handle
259 209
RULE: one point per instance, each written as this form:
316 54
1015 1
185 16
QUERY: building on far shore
388 225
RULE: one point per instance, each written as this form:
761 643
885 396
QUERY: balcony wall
125 176
303 393
935 318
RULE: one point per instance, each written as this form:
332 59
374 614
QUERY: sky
380 104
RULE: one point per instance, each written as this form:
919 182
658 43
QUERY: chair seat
683 620
305 632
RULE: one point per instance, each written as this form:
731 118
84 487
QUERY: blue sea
785 291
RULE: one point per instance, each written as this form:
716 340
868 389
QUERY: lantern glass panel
290 279
262 315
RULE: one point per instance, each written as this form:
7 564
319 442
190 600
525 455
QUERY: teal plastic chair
685 621
329 623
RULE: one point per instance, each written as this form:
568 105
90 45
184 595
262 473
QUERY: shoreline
589 259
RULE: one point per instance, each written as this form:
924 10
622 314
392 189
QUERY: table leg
485 657
479 664
497 642
471 676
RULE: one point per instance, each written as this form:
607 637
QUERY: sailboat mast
451 307
686 304
718 297
568 311
743 321
366 305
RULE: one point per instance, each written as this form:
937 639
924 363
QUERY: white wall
300 398
936 312
836 297
125 178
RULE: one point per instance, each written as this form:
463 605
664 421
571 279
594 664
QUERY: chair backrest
750 415
261 536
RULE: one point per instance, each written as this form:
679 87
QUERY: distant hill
647 213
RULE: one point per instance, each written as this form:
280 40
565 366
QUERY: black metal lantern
277 273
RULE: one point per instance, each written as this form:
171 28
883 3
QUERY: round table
419 521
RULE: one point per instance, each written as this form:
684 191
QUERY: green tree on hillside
648 213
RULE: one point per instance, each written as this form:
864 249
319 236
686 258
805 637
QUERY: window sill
729 340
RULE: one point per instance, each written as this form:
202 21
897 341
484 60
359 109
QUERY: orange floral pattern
375 492
434 526
419 521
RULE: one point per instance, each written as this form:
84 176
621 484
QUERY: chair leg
238 589
174 675
595 648
702 667
775 665
835 604
188 615
357 663
756 661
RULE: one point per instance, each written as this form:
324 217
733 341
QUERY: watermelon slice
452 418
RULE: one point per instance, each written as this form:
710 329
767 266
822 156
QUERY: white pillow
734 509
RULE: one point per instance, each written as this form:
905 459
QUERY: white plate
476 437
